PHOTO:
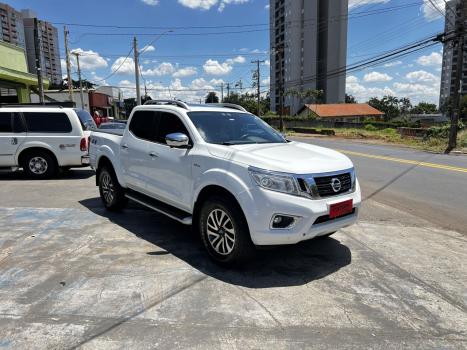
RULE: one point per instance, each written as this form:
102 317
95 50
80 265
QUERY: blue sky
187 62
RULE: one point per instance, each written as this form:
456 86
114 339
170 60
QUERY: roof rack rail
168 102
20 105
228 105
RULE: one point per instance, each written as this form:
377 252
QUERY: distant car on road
116 128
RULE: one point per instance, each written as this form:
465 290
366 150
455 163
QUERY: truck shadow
274 267
72 174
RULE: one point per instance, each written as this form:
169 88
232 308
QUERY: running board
161 207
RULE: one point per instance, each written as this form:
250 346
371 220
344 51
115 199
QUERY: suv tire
224 231
39 164
112 194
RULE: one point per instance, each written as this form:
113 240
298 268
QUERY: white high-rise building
308 44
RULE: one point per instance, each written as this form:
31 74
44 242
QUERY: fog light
282 221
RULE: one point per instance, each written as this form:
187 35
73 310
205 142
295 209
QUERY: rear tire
224 231
39 164
112 194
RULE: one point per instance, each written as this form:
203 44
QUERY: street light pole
138 92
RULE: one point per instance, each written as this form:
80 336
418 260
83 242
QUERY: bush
370 127
389 131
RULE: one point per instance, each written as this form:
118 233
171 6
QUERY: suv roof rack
228 105
168 102
20 105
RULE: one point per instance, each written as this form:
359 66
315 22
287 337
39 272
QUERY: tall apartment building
12 30
308 42
450 54
49 47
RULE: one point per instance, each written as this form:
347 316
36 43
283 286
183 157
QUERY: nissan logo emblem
336 184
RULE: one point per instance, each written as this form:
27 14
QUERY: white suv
41 140
224 170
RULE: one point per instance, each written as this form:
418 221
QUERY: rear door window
143 124
48 122
5 122
18 125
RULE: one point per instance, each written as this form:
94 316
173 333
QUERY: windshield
226 128
87 123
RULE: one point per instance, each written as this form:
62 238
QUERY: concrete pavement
75 276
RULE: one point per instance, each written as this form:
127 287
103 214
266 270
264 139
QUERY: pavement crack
278 323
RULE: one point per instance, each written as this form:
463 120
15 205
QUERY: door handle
14 141
124 146
153 154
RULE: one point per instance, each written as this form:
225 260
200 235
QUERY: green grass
434 144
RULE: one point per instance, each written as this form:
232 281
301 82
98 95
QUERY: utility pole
68 64
258 83
455 109
79 79
37 51
222 92
228 90
138 92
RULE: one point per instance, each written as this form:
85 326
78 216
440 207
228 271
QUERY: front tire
39 165
112 194
224 231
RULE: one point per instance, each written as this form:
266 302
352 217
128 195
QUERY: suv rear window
87 123
50 122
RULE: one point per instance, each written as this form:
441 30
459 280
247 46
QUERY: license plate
85 161
340 209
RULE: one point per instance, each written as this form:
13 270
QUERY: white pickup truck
227 173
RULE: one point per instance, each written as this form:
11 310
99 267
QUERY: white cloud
213 67
127 66
148 48
358 3
267 63
88 60
266 81
421 76
376 77
207 4
165 68
351 79
431 13
266 7
417 92
433 59
185 72
63 65
392 64
151 2
238 59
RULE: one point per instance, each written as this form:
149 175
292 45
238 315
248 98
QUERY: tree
424 108
405 106
389 105
212 98
350 99
129 104
311 96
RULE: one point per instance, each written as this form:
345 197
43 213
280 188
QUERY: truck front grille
325 186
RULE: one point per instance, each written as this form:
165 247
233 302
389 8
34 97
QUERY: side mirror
177 140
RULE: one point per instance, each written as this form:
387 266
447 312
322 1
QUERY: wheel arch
24 152
102 162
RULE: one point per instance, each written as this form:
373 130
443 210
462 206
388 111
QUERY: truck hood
293 157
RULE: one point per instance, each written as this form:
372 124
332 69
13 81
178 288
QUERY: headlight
274 181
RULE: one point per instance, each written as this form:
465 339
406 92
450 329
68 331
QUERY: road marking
405 161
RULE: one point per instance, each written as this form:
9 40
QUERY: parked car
117 128
41 140
228 173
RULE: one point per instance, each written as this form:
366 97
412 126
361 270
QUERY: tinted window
18 125
169 124
47 122
5 122
143 123
87 123
230 128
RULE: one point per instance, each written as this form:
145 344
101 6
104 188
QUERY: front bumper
261 205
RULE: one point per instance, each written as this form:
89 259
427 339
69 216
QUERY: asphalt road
73 275
430 186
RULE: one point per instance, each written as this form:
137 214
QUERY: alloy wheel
108 190
220 232
38 165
